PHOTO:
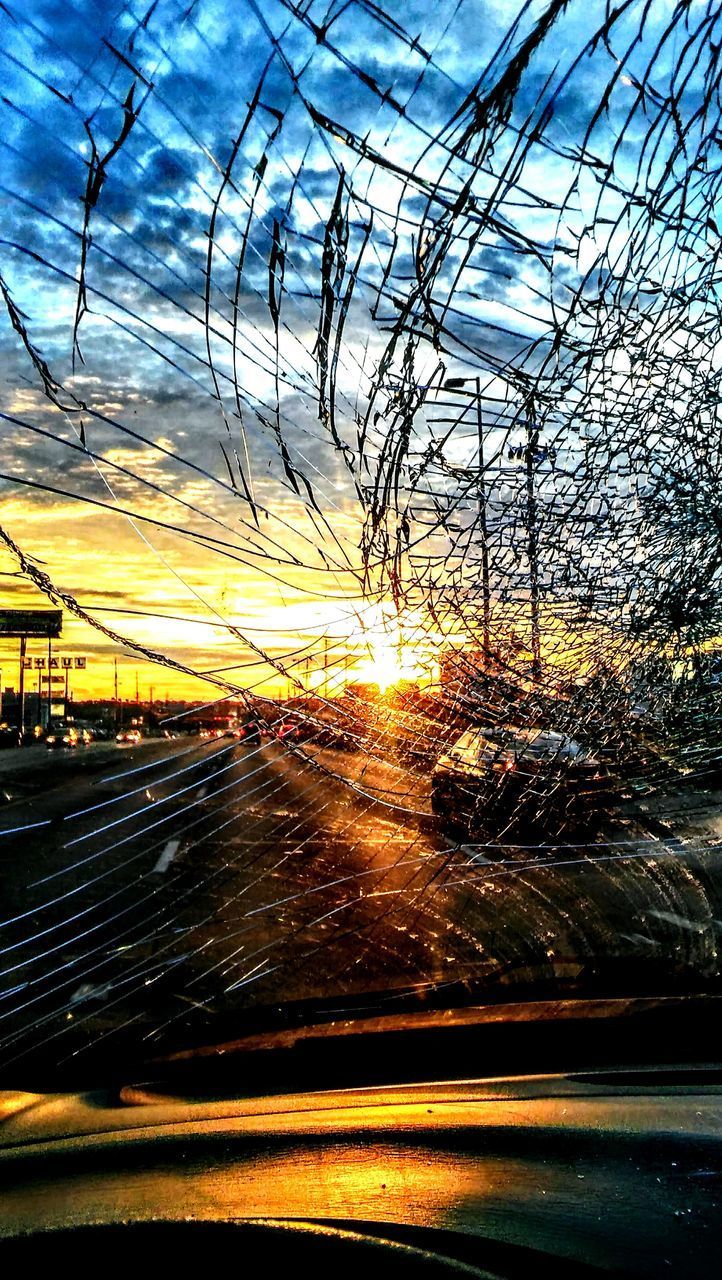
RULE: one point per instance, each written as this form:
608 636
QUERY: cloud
156 405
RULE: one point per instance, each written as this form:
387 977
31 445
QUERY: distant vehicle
9 736
248 732
318 730
334 734
60 738
418 739
293 729
513 773
288 730
128 735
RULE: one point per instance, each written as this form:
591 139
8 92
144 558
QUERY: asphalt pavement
150 891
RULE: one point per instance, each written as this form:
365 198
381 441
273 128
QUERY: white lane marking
470 851
166 857
86 991
682 922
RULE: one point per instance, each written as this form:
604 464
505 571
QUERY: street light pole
50 679
485 584
455 384
21 686
532 442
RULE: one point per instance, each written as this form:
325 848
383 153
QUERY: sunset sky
124 485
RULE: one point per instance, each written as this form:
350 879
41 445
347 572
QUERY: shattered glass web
293 268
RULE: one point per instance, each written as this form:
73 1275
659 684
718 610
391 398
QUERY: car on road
131 736
335 733
326 731
63 737
248 732
9 736
511 773
294 729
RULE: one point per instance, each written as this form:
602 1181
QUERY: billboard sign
31 622
56 664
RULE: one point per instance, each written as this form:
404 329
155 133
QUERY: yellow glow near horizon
384 670
391 658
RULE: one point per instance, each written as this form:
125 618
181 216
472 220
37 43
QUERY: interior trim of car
615 1171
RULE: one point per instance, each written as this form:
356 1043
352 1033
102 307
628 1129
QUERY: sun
391 651
384 668
390 661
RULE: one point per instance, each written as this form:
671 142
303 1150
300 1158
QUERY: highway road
157 892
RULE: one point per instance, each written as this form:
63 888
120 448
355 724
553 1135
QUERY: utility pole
50 680
115 693
21 685
137 695
485 587
456 384
530 452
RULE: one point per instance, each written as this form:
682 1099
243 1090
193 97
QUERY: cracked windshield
360 536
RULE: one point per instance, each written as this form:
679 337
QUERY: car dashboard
606 1173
